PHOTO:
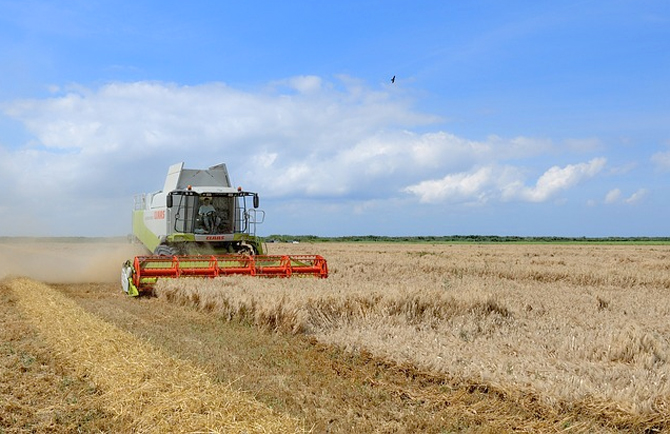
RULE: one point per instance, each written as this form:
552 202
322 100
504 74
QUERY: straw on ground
144 388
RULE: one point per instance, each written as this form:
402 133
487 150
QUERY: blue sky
506 118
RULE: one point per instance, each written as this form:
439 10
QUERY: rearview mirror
256 201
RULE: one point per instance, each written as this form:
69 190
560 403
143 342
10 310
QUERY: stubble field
399 338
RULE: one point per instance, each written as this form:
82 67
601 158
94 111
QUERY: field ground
400 338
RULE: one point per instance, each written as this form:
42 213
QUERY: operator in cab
208 215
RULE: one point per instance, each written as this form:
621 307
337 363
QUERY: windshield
204 214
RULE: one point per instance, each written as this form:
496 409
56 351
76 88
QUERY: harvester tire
164 250
245 249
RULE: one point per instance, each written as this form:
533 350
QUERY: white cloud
306 84
613 196
557 179
328 138
296 138
504 183
460 186
637 196
661 160
382 162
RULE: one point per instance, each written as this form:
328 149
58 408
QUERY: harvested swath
582 326
145 390
36 394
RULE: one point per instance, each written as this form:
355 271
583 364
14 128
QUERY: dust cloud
64 261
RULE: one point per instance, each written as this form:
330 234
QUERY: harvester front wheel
245 249
164 250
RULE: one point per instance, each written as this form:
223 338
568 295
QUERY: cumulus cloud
297 128
460 186
299 138
504 183
556 179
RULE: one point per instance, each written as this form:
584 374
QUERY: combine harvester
200 226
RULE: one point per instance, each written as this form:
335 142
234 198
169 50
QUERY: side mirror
256 201
168 201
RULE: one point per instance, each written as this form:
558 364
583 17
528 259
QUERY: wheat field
473 338
578 325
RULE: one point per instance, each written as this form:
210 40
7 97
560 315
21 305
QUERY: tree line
463 239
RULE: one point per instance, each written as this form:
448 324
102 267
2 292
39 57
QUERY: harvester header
199 225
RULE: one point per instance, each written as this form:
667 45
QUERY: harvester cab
199 225
198 210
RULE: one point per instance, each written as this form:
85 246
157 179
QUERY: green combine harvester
199 225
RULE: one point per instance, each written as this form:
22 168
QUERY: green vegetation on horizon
466 239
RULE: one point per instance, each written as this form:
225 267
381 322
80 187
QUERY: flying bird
393 79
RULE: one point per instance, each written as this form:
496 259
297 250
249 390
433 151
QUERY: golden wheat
572 323
145 390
